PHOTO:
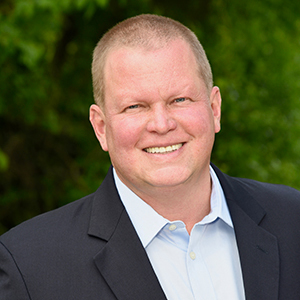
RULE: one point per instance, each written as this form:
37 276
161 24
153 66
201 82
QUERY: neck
189 202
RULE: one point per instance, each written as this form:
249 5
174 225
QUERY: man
164 224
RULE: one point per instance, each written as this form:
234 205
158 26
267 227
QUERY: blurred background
49 155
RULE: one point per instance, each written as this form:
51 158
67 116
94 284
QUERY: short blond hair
147 31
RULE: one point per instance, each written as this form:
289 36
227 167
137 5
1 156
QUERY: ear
215 102
97 119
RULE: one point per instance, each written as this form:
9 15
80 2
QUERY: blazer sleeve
12 284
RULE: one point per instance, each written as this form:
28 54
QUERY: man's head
160 117
147 32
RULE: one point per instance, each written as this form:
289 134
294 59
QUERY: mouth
163 150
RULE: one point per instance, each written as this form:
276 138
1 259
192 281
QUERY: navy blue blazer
89 249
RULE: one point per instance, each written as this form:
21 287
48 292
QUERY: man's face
159 120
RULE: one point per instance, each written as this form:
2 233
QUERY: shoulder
268 193
264 188
262 191
69 223
274 207
280 202
54 224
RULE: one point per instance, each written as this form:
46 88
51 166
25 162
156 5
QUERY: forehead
150 74
175 57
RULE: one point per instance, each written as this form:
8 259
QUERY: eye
133 106
178 100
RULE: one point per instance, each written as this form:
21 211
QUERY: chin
168 178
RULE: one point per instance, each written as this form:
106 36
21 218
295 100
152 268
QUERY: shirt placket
198 273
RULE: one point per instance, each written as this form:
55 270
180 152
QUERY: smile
163 150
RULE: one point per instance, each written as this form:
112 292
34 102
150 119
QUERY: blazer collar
122 261
258 249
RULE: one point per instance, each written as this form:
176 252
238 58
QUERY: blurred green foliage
48 153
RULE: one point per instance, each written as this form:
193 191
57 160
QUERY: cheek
125 133
197 122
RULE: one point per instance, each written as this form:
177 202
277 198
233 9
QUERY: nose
160 120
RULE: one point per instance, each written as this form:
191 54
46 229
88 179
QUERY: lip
164 149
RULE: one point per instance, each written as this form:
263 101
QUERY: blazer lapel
123 261
258 249
124 264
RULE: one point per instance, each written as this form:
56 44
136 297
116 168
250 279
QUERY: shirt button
172 227
192 255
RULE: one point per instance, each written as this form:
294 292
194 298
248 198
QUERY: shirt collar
147 222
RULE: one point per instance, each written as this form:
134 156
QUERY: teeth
163 150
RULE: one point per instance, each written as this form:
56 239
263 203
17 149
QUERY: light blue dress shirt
204 265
